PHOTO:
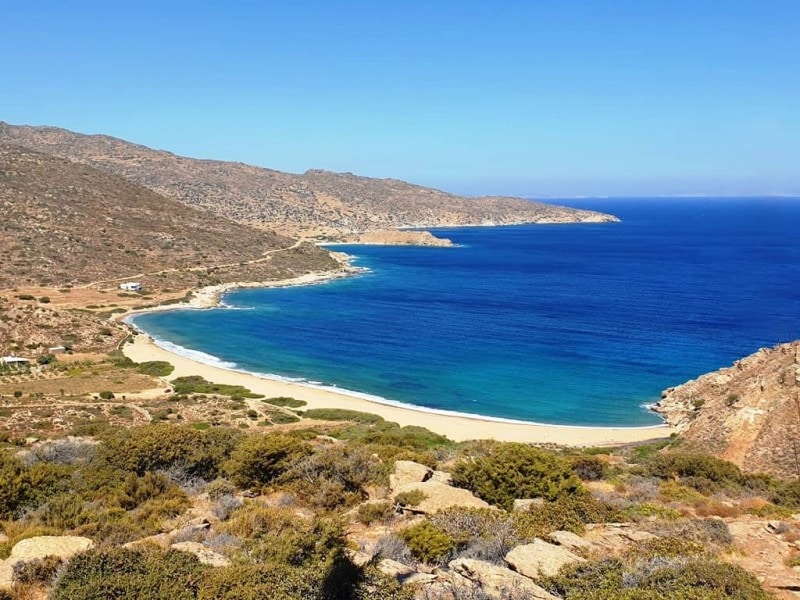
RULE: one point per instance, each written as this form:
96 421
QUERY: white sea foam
195 355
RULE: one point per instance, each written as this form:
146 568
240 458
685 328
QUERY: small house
14 361
131 286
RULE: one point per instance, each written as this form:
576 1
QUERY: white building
15 361
131 286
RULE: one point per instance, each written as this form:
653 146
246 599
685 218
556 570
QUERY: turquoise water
569 324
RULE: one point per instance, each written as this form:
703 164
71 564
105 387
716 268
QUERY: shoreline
458 427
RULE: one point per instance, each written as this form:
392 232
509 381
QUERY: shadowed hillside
316 202
70 224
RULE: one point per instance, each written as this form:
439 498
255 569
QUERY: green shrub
161 446
654 576
46 359
285 402
336 475
787 494
194 384
428 543
410 498
280 418
374 511
702 472
260 459
41 570
24 487
279 536
341 414
106 395
565 513
512 470
128 574
156 368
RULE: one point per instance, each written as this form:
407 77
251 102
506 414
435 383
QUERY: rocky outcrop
540 559
403 573
399 238
408 471
571 541
439 496
496 581
748 413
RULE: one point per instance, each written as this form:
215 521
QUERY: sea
570 324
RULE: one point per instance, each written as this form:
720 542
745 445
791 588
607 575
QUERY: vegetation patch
194 384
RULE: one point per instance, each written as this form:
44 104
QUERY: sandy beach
458 428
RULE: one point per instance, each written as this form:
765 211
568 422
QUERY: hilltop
317 202
67 224
748 413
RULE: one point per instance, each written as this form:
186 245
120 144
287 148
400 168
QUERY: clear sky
537 97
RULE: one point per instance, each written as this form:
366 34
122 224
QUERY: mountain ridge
315 203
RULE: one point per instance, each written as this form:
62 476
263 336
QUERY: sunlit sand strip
454 426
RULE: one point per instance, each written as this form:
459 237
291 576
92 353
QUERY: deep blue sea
569 324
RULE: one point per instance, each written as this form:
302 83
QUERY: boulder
442 477
570 541
403 573
540 559
62 546
439 496
203 554
498 582
7 573
408 471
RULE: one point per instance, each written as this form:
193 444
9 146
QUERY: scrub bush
512 470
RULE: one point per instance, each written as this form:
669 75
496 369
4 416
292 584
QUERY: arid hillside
67 224
316 202
748 414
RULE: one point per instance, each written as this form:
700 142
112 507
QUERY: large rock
498 582
570 541
439 496
540 559
403 573
62 546
408 471
203 554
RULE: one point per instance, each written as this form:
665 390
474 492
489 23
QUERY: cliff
748 413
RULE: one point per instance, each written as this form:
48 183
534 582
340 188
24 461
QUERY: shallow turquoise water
567 324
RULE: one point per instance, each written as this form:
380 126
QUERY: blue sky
538 98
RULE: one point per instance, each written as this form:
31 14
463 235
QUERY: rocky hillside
70 224
314 203
748 413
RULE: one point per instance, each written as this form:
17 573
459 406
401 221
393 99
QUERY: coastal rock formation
748 413
398 238
316 203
